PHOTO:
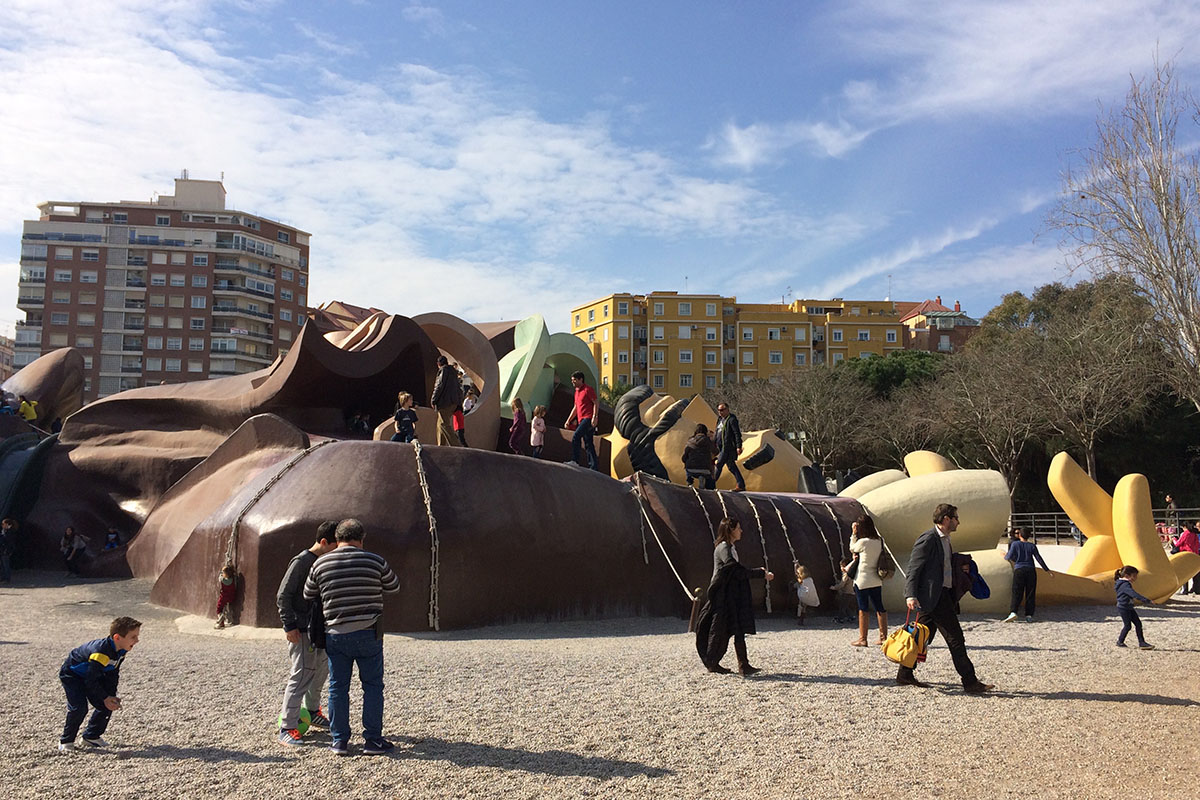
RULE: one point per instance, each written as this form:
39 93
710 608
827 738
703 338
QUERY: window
685 356
731 332
747 356
87 298
87 364
120 218
775 357
622 331
88 276
303 280
173 364
85 341
285 315
158 280
576 320
606 310
64 253
864 335
90 255
801 358
685 380
854 311
659 381
199 281
287 274
196 343
604 359
748 334
799 334
174 343
154 343
818 335
197 323
660 332
837 334
176 301
891 337
60 318
623 307
710 357
179 259
178 280
63 275
195 366
199 301
604 334
154 322
153 365
660 356
773 334
175 322
837 357
286 335
710 309
57 340
622 357
866 355
710 381
158 300
710 334
284 237
285 294
591 337
591 315
159 219
85 319
685 309
158 258
659 309
61 296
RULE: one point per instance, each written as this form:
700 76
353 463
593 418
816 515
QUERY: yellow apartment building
680 343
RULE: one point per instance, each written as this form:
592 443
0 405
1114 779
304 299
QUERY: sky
500 159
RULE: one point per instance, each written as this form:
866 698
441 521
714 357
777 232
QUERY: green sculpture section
538 361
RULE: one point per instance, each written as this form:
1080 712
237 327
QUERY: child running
537 430
406 418
1126 594
90 675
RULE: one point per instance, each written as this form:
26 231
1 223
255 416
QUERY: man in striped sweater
351 583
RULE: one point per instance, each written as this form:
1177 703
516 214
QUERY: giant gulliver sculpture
241 469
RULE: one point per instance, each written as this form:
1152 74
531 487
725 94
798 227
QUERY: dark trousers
5 565
739 649
729 459
943 616
583 437
77 707
1130 617
1024 588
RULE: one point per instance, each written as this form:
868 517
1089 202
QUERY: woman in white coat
868 586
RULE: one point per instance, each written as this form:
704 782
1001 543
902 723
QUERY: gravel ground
616 708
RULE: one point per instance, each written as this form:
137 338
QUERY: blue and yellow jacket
98 665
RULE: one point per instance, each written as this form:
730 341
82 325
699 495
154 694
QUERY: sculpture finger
926 462
1137 540
1098 556
1088 506
873 481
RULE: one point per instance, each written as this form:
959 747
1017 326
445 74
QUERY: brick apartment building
175 289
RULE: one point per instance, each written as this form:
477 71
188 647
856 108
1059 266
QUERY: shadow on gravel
847 680
1017 648
1144 699
14 642
549 762
206 754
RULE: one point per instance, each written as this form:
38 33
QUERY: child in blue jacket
90 675
1126 594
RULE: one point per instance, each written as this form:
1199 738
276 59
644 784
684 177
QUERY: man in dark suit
929 588
447 395
729 440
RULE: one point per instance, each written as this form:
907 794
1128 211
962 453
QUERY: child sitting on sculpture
90 674
406 419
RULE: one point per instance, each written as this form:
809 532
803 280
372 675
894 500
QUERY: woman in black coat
728 610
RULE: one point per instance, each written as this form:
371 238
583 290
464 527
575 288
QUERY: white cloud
762 143
425 190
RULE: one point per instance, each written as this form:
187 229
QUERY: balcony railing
29 323
242 311
243 332
32 279
134 283
134 326
224 286
31 301
262 273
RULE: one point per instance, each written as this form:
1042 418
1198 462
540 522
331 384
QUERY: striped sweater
350 582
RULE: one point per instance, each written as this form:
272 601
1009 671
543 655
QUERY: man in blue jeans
351 583
585 412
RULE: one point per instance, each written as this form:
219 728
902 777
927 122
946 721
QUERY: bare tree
1132 207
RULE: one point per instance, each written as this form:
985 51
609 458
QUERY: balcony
236 267
131 348
135 369
134 283
29 323
241 311
225 286
33 279
135 304
134 326
266 337
135 261
31 301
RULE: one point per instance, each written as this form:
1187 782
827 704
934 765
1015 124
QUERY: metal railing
1058 524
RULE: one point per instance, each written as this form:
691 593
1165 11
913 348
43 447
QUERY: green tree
900 369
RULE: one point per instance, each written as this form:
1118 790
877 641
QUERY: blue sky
495 160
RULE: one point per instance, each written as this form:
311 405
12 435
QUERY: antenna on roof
685 291
889 294
183 174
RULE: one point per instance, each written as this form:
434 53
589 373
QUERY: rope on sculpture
838 523
724 511
762 537
783 525
837 568
231 547
434 544
637 494
700 500
642 525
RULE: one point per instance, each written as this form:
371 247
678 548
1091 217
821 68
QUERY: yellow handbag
906 645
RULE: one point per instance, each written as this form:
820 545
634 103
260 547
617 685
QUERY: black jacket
294 610
447 389
925 568
731 435
699 453
728 609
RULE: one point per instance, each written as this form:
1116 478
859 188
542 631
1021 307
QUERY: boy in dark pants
90 675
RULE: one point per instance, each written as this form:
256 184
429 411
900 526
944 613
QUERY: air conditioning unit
695 327
783 329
